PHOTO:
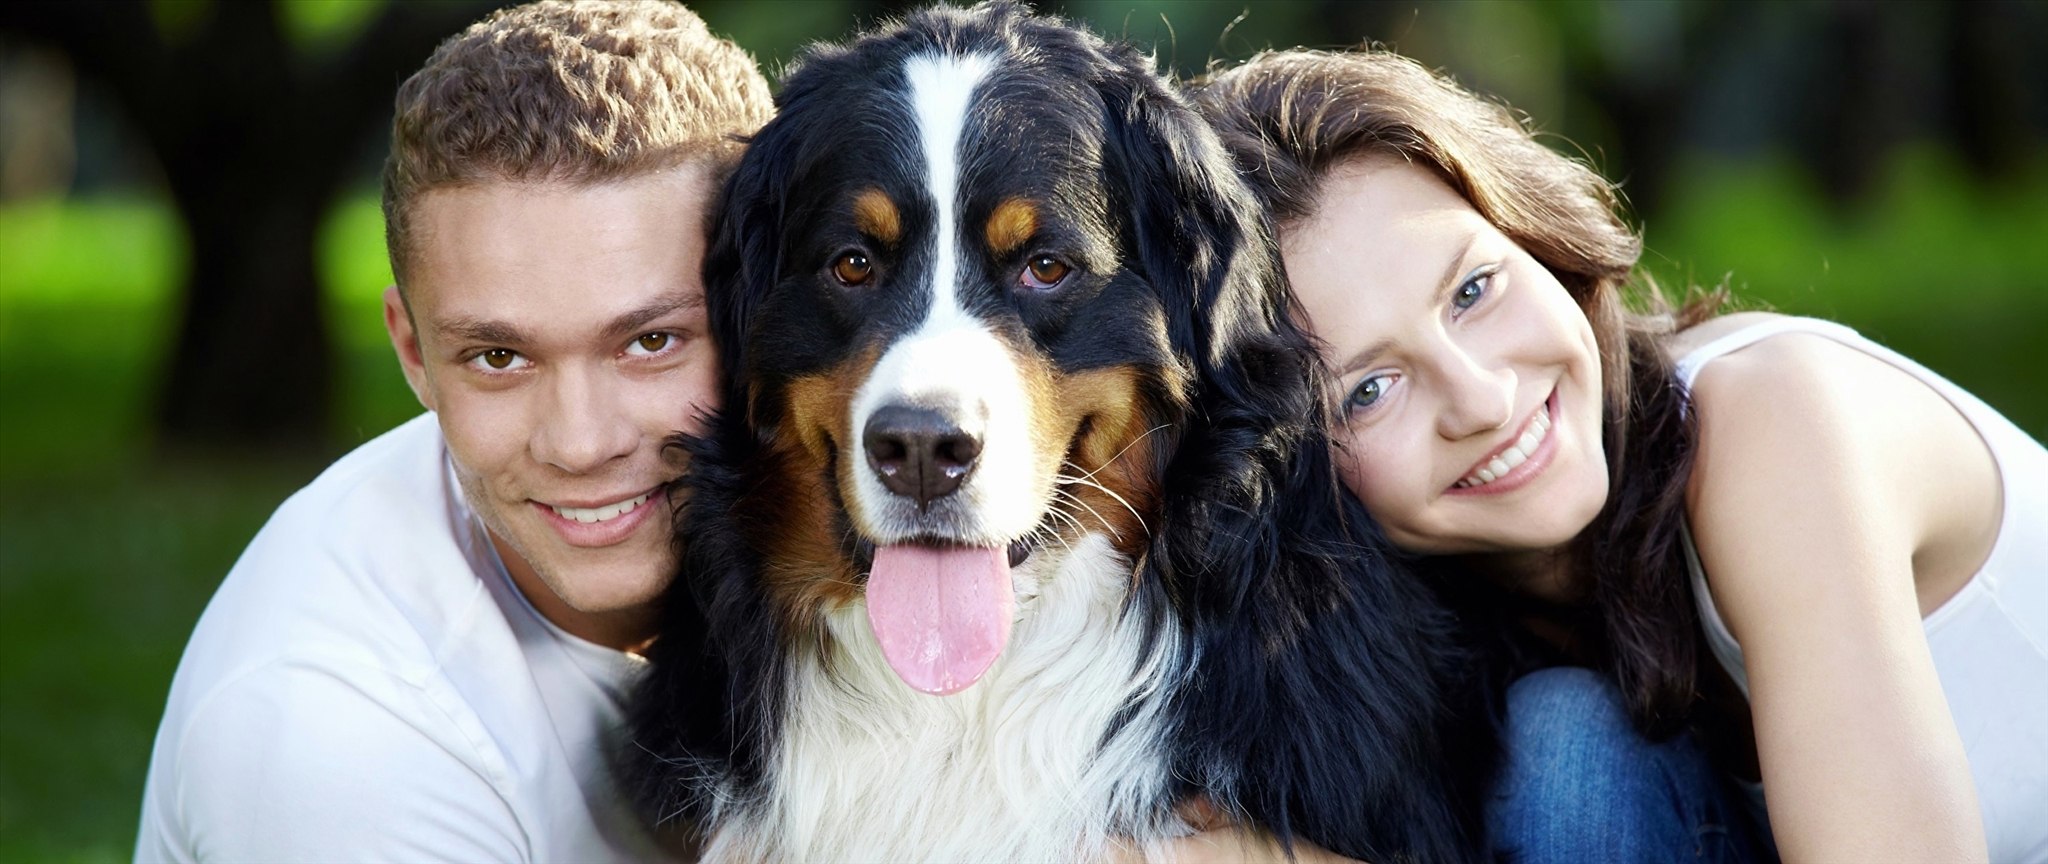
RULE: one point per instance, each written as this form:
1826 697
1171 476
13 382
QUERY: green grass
101 579
107 556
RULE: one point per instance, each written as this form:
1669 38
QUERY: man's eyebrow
481 330
489 332
630 323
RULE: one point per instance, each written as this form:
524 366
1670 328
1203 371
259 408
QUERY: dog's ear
1255 440
1199 235
745 259
745 254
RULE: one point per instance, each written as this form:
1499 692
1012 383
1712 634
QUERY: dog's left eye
852 268
1044 271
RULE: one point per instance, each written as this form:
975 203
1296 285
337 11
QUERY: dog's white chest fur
1022 766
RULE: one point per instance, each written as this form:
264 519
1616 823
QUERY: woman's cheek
1391 477
1370 471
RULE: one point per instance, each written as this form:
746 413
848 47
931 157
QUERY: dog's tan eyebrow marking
875 215
1013 222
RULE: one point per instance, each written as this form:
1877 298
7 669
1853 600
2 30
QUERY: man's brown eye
499 358
653 342
852 268
1045 271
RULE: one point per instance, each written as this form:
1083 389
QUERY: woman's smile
1513 464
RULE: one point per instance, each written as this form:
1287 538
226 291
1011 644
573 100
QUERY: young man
422 655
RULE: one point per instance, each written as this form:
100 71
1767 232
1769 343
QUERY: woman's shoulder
1801 410
1805 383
1794 371
1693 338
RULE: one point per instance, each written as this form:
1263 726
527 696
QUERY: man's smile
592 523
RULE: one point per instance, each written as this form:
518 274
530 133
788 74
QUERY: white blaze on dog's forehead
941 94
952 361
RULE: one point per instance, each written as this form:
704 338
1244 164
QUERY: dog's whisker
1120 453
1048 530
1097 514
1071 480
1090 508
1055 511
1071 520
1092 512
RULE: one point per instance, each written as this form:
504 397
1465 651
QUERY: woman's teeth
1532 436
600 514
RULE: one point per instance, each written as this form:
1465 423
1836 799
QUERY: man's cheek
487 430
684 398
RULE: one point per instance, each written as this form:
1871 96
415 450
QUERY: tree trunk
253 362
255 142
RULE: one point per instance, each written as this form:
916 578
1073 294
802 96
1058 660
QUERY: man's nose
583 424
1479 395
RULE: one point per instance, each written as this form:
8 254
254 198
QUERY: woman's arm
1821 474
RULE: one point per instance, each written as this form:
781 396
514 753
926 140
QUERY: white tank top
1990 641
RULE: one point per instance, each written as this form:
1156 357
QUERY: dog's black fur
1326 698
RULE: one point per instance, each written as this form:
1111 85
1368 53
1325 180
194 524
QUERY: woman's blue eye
1367 392
1469 293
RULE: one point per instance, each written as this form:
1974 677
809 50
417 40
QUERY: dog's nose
919 453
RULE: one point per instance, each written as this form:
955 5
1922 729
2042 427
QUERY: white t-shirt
367 684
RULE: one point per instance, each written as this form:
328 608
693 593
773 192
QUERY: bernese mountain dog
1018 531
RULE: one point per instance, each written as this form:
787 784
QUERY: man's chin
607 606
599 587
606 580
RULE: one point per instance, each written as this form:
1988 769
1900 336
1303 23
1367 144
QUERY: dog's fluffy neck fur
1055 754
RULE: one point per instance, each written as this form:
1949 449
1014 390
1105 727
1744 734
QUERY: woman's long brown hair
1290 117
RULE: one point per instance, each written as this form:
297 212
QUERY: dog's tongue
941 614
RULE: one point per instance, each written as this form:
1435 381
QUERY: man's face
561 339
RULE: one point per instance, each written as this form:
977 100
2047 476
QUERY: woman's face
1469 379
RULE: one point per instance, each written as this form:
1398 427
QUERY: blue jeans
1580 785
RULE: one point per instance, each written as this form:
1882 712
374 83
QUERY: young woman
1861 545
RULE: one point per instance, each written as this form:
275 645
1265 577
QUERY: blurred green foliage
1937 265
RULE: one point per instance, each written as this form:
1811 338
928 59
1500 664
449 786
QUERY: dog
1018 533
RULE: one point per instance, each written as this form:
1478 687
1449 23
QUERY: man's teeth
600 514
1532 436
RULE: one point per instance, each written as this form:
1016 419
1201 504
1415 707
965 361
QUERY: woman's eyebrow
1448 286
1454 270
1364 356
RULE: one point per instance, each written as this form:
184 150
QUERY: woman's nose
1479 395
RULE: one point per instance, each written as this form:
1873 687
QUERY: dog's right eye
1044 272
852 268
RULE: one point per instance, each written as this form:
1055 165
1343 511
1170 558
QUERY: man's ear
405 340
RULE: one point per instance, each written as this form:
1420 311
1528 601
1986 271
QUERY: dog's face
955 278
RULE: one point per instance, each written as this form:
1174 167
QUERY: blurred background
191 257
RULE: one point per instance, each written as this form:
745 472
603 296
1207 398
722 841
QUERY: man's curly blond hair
579 93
